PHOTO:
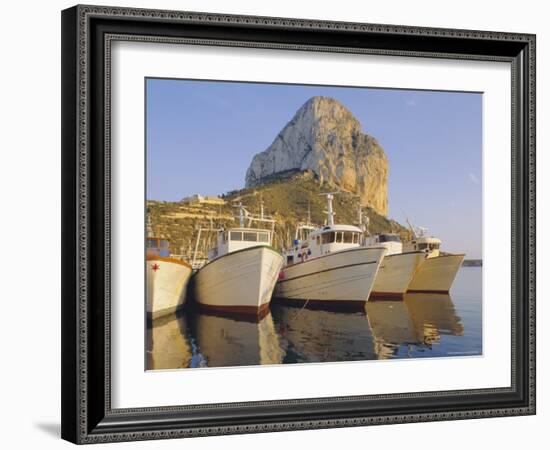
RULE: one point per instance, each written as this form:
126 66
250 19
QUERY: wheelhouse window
263 237
329 238
348 237
163 243
389 238
434 247
152 242
422 246
236 236
250 237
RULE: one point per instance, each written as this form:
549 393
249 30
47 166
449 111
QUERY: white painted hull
340 277
240 282
436 274
395 274
167 280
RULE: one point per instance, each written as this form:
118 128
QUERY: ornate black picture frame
87 34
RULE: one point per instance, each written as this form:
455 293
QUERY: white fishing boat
166 277
438 270
330 267
397 268
242 269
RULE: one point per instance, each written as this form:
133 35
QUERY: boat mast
150 232
364 227
242 214
261 210
196 246
329 211
418 232
411 226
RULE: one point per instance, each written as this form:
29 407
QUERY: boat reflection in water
312 335
412 326
224 340
167 343
418 325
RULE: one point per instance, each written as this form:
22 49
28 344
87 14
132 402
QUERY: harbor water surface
421 325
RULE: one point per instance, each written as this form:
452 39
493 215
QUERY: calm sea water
421 325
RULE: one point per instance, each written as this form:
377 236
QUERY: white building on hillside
203 199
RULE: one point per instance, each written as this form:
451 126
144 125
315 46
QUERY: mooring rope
301 309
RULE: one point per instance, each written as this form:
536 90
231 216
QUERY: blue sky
201 137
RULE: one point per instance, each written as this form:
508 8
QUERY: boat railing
198 263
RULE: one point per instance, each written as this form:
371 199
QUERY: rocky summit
325 138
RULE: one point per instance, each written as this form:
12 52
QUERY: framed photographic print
280 224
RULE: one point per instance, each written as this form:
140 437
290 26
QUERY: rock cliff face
325 138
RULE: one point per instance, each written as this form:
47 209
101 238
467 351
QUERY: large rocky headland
326 139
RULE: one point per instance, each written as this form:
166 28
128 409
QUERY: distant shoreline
472 263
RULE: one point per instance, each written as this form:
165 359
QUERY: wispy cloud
473 178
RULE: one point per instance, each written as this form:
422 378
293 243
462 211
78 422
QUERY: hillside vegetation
286 199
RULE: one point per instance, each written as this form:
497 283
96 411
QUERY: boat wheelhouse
157 246
428 244
390 241
323 241
235 239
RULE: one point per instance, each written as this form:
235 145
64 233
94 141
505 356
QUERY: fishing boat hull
167 280
437 274
240 282
337 280
395 275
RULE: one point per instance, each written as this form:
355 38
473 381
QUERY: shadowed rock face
325 137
